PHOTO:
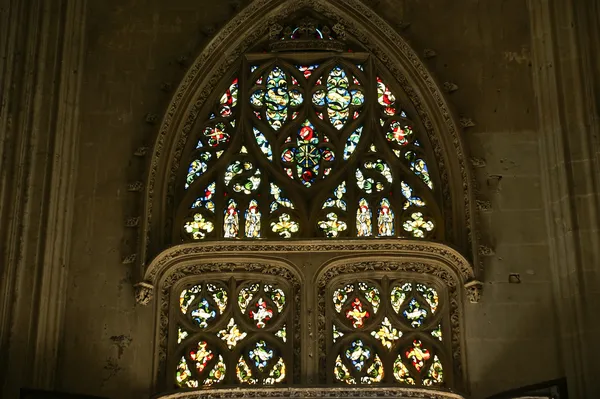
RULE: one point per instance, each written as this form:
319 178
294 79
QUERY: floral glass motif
263 144
277 98
363 219
401 373
356 314
435 374
253 217
228 100
371 293
201 356
374 372
415 313
285 226
246 294
337 201
244 372
279 199
277 373
418 355
398 295
387 334
282 334
332 226
307 70
342 373
410 199
215 135
385 219
418 225
336 333
197 168
419 167
199 227
187 297
277 296
181 335
184 375
261 354
399 132
358 354
386 98
217 374
352 143
206 201
203 314
262 314
237 168
437 333
338 97
231 334
341 295
370 185
430 295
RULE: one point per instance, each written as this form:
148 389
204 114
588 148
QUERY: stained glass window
292 149
233 332
386 331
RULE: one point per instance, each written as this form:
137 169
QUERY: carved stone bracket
474 290
450 87
144 293
429 53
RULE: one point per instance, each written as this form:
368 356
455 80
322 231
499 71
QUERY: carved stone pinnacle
450 87
466 122
474 290
143 293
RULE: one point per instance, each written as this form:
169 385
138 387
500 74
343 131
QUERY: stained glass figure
437 333
352 142
415 313
285 226
202 356
387 334
246 294
231 334
253 217
197 168
338 98
398 295
308 154
277 373
342 373
228 100
385 219
203 314
419 167
244 372
363 219
199 227
401 373
206 201
187 297
279 199
263 143
356 314
231 220
418 225
430 296
262 314
435 374
261 354
341 295
337 201
181 335
418 355
183 375
217 374
358 354
371 293
385 98
277 296
332 226
282 334
374 372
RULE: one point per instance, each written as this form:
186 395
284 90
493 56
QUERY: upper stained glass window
313 145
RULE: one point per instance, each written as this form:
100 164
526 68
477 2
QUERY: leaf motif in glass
332 226
374 372
277 373
352 142
410 199
245 296
336 333
263 143
262 314
415 313
307 70
219 295
183 376
356 314
308 153
279 199
341 372
187 297
401 373
385 219
231 334
435 374
231 220
430 295
419 167
277 98
216 134
229 99
285 226
341 295
253 216
206 201
371 293
398 132
198 227
181 335
197 168
386 98
202 355
418 355
277 296
203 313
363 219
398 295
417 225
358 354
368 184
261 354
217 374
244 373
282 334
387 334
437 333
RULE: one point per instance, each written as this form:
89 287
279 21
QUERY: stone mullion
568 120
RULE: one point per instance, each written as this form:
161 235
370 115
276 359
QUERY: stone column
41 43
566 70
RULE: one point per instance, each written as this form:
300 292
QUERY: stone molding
251 25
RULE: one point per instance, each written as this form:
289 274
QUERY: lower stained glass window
233 333
387 331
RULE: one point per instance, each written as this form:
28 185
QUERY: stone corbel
474 290
144 293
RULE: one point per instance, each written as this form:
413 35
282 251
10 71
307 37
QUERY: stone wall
137 49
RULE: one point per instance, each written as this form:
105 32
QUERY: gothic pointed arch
293 152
